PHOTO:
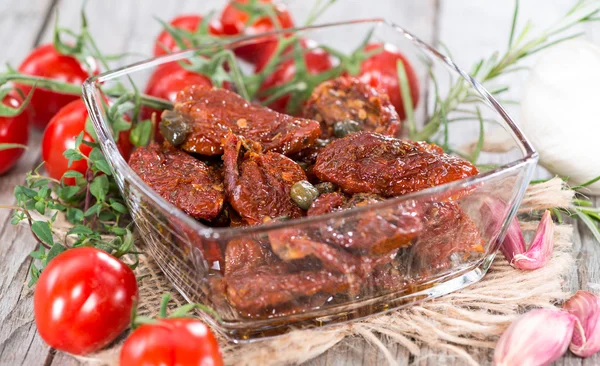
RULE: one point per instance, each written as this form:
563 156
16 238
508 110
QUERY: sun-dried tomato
181 179
349 99
208 114
367 162
258 185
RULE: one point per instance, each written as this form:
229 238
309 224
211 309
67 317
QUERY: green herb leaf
80 230
141 132
118 207
67 192
56 249
42 230
99 187
102 165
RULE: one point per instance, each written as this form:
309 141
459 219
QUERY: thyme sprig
91 204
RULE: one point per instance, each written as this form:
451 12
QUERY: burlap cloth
465 322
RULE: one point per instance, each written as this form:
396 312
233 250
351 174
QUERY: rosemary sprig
521 46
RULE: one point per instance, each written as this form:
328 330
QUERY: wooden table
470 29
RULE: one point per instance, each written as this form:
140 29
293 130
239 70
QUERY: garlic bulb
560 110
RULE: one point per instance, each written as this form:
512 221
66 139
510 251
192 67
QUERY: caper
303 165
325 187
322 142
174 127
303 193
345 128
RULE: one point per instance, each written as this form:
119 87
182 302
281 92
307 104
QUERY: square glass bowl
450 233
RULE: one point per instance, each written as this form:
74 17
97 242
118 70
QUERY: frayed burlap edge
460 323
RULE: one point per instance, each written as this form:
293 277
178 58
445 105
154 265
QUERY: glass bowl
443 238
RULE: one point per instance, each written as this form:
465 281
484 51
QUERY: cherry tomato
60 135
14 130
45 61
316 61
234 23
170 342
186 22
380 71
166 81
83 300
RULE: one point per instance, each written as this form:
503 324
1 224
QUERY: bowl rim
117 162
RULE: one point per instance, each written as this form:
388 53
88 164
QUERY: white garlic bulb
560 111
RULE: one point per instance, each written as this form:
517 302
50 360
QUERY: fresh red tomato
166 81
45 61
60 135
13 130
83 300
189 22
380 71
234 23
317 61
170 342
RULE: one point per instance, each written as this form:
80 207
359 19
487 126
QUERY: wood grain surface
470 29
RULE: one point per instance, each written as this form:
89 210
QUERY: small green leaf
78 140
40 207
72 155
42 230
118 230
99 187
118 207
103 166
74 215
141 132
67 192
94 210
35 275
40 183
72 174
22 193
80 230
38 254
56 249
96 154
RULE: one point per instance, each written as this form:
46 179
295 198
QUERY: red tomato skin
380 71
45 61
172 342
13 130
83 300
317 61
60 135
234 23
189 22
166 81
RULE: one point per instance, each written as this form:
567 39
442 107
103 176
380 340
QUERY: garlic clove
514 243
494 211
541 248
537 338
586 337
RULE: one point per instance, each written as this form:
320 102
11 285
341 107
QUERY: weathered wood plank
20 25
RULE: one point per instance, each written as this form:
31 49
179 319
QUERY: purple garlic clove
541 248
537 338
586 337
